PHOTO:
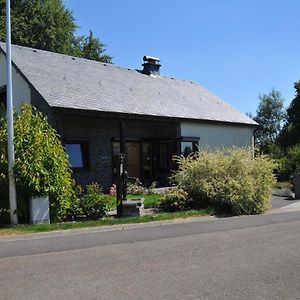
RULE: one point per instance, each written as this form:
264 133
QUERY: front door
133 159
147 162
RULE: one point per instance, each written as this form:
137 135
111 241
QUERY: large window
189 145
166 153
78 153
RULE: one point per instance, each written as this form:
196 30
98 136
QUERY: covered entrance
149 160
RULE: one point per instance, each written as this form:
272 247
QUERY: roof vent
151 65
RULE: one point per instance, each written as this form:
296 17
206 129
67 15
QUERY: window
189 145
78 154
3 96
115 159
166 153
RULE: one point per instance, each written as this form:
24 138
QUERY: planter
39 210
133 207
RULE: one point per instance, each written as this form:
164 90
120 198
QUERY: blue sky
235 48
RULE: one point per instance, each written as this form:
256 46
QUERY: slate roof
70 82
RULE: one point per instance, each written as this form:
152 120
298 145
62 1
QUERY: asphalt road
255 257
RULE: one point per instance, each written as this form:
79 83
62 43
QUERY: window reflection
188 147
77 154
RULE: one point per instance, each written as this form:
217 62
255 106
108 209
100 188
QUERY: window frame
193 140
85 154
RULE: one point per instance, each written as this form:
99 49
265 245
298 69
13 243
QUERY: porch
93 146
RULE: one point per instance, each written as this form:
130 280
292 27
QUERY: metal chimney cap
150 58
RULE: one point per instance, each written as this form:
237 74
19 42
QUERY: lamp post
122 174
10 123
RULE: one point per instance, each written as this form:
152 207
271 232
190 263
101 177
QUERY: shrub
41 164
173 200
135 188
151 188
4 216
113 190
290 164
227 178
90 203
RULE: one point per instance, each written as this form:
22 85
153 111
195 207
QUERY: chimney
151 65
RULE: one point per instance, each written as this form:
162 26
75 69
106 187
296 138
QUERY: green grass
103 222
150 199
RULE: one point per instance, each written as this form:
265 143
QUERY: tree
270 116
41 164
93 49
290 134
42 24
47 25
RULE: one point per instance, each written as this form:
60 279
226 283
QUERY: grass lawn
150 199
107 221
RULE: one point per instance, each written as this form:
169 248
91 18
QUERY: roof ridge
97 62
91 86
54 53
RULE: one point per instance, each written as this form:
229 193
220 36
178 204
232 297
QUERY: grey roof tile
69 82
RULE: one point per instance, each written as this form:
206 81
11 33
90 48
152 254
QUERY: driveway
283 203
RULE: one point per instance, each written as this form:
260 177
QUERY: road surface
249 257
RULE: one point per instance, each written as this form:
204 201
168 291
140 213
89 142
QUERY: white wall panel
21 90
218 135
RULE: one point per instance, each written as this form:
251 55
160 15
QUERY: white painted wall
216 136
21 90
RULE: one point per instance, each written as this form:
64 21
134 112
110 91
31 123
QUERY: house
86 101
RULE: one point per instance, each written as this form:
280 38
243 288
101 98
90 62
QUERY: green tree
42 24
290 134
290 162
41 164
270 116
93 49
48 25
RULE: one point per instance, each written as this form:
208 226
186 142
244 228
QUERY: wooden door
133 159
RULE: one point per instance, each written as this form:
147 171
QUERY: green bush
90 203
41 164
290 163
173 200
151 188
228 178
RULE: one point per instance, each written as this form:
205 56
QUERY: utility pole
10 123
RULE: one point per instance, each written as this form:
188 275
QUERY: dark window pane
75 154
116 148
115 159
147 162
166 153
3 99
188 147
